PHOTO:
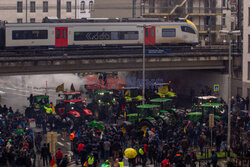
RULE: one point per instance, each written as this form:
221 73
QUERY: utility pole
230 35
143 66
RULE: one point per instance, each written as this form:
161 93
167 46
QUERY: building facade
210 16
115 9
26 11
246 49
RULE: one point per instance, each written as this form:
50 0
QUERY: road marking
60 143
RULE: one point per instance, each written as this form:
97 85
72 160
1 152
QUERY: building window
91 5
32 6
248 76
68 6
32 20
223 20
82 7
249 16
223 3
19 7
248 43
45 6
19 20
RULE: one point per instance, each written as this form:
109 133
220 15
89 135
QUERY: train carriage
100 34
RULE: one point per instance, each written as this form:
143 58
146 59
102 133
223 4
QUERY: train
93 33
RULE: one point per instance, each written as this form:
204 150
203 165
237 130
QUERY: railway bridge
51 61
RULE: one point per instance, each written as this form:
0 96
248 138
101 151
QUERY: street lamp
229 34
143 61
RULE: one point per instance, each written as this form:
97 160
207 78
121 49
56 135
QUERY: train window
29 34
133 35
187 29
115 35
58 34
146 32
64 34
168 32
107 35
152 32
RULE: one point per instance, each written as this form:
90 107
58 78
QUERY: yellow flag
53 109
127 93
60 88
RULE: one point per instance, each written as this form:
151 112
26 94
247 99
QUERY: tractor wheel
144 124
70 121
126 127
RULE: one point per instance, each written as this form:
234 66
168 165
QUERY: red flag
53 162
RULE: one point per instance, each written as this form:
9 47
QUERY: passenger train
98 34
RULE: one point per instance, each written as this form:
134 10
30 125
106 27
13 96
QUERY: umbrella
130 153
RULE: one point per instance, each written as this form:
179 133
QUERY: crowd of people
16 139
180 143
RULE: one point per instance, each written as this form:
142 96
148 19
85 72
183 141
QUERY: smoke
14 90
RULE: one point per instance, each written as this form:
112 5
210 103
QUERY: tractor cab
76 105
72 95
38 105
198 101
165 104
40 101
147 117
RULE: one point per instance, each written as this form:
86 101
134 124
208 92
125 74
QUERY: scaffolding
204 13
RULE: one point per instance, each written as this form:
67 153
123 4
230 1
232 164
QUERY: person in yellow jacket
91 160
48 110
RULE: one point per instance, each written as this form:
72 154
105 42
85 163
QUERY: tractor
148 116
37 106
198 101
101 103
202 113
72 110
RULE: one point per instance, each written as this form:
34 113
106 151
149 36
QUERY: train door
61 37
149 35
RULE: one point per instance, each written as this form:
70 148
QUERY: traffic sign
211 120
216 87
32 123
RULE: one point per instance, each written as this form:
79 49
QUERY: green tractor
166 108
165 104
202 113
37 105
199 100
148 116
102 100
